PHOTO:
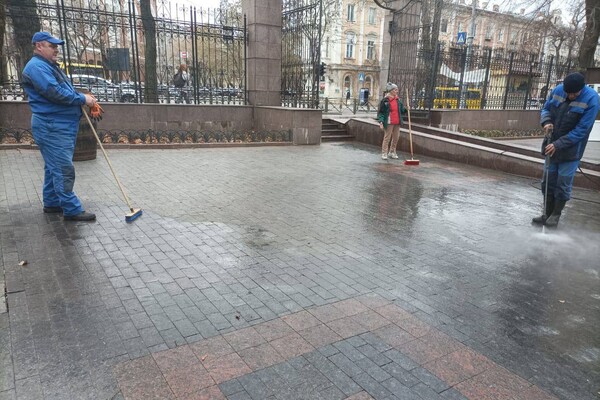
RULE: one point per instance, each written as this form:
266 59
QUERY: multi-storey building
351 49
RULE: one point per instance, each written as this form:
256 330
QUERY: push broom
134 212
412 160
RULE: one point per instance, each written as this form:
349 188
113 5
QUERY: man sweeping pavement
569 114
56 111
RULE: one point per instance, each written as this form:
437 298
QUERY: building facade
351 49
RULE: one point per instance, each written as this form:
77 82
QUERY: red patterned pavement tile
192 379
326 313
300 320
346 327
274 329
244 338
319 335
350 307
535 393
291 346
459 366
373 301
393 335
175 360
393 313
414 326
261 356
421 351
226 367
371 320
142 379
211 393
213 347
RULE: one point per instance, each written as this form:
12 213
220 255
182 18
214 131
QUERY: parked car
103 89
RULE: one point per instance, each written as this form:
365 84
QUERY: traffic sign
183 54
462 38
361 76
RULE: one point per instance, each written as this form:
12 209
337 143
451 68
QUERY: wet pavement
296 272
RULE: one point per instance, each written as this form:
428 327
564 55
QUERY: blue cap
45 37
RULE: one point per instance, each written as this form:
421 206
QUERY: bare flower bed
129 137
530 133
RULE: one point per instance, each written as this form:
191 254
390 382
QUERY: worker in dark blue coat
56 109
569 113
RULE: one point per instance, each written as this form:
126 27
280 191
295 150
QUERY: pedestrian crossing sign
462 38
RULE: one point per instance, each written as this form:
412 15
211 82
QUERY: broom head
133 215
411 162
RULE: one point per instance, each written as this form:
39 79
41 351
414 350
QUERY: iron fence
121 52
437 75
301 53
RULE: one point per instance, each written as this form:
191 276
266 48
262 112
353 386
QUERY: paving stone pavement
296 272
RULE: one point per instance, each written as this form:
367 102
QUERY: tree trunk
151 89
3 72
590 35
25 23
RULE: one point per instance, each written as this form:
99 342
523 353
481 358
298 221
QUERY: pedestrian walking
569 113
56 111
390 118
347 95
181 81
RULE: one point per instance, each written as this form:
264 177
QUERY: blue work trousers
560 179
56 139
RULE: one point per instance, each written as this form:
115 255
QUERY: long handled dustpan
134 212
412 160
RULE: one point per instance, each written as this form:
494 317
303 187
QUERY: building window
460 27
350 41
488 32
513 37
372 15
444 26
501 35
370 49
350 13
327 47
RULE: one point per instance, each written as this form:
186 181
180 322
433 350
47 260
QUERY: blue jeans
56 139
560 179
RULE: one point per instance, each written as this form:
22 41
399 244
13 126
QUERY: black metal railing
121 52
301 53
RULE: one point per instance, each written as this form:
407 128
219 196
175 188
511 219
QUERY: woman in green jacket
390 119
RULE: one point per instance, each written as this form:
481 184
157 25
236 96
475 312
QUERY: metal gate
301 53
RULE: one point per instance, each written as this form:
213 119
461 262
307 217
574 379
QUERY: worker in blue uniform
569 113
56 111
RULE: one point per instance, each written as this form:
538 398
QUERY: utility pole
470 38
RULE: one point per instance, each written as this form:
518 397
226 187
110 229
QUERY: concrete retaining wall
305 124
485 119
368 131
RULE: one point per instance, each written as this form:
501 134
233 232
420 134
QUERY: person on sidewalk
390 118
181 81
56 111
569 113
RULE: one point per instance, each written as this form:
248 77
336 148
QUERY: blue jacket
49 90
572 120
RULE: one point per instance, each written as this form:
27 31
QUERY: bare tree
590 34
151 89
25 23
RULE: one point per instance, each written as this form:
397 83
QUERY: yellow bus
83 69
447 97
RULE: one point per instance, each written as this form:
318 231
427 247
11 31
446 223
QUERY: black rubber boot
552 220
541 220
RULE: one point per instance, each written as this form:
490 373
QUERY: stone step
337 138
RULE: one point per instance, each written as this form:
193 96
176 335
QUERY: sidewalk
296 272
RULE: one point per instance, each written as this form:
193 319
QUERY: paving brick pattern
367 365
248 276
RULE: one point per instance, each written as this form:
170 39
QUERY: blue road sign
462 38
361 76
